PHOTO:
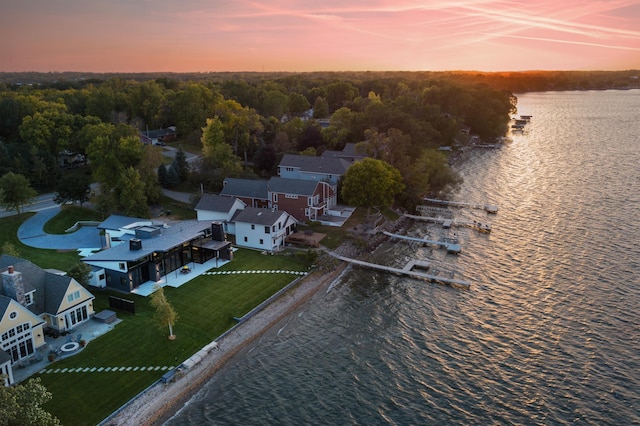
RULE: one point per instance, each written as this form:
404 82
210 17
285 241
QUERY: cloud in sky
301 35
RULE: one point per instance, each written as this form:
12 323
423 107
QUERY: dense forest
242 123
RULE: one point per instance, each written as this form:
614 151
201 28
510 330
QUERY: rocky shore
161 401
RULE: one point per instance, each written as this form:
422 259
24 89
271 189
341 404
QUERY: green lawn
68 217
206 307
176 209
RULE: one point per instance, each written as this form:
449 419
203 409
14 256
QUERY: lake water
548 333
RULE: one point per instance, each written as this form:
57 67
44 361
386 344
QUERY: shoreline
162 401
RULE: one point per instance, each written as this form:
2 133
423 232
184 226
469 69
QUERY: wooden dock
450 246
408 270
489 208
448 223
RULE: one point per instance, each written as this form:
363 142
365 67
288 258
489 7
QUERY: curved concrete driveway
31 233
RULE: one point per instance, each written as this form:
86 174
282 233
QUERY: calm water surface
549 332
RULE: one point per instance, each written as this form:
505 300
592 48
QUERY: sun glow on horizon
290 35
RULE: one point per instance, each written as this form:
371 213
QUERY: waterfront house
31 301
305 200
149 251
263 229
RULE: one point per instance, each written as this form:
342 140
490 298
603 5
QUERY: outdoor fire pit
70 347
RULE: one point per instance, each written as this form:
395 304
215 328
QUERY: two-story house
305 200
328 167
32 300
263 229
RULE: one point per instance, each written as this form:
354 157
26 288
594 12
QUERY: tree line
242 125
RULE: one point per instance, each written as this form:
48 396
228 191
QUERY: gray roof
292 186
57 286
169 237
4 304
50 288
258 216
215 203
245 188
116 222
327 165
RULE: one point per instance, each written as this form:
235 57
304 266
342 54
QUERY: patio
179 276
87 331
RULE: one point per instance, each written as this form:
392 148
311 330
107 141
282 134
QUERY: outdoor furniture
185 269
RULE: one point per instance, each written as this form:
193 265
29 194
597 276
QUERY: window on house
76 295
266 230
101 277
275 198
261 241
253 226
121 266
69 298
28 299
245 239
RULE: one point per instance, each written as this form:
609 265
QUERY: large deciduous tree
72 189
218 154
15 191
22 404
371 183
132 194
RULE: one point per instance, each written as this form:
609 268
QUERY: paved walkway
31 233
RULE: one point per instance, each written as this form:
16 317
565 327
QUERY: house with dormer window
32 300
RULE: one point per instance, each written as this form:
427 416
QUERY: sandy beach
161 401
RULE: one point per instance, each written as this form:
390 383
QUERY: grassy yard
176 209
206 307
69 215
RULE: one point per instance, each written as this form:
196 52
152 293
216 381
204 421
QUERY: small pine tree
162 175
172 179
181 165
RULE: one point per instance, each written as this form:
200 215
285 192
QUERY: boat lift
489 208
451 245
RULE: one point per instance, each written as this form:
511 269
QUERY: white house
263 229
216 208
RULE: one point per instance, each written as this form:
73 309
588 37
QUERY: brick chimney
13 285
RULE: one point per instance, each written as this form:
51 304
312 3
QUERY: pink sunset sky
328 35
